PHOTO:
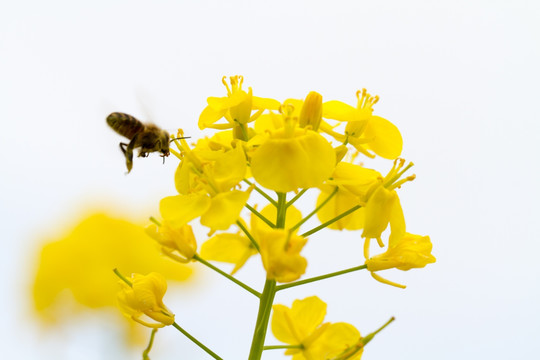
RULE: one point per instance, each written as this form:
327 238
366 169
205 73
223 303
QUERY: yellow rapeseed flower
292 158
144 298
364 130
302 325
236 108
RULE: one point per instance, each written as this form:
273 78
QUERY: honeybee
148 137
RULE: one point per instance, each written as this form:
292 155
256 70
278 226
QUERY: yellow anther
224 81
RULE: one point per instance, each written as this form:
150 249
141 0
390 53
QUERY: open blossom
364 130
144 298
206 180
302 324
292 157
236 108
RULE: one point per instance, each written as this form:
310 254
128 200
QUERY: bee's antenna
180 138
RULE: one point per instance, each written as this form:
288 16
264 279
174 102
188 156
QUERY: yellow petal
338 110
356 179
307 315
209 116
268 122
225 209
283 328
265 103
229 248
229 169
378 210
293 325
387 141
181 209
341 202
284 163
334 340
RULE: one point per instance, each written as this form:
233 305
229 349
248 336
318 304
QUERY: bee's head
164 142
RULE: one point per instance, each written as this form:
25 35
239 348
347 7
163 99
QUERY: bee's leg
123 148
129 153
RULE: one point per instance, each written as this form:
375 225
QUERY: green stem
322 226
260 216
149 347
269 292
316 209
250 237
317 278
197 342
293 200
263 317
237 282
281 210
261 191
276 347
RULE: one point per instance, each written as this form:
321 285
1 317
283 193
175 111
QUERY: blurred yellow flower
144 298
83 260
302 325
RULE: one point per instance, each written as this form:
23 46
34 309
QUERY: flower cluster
281 150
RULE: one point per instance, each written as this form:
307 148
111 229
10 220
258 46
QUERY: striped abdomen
124 124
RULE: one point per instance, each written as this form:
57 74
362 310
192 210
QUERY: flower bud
144 299
311 113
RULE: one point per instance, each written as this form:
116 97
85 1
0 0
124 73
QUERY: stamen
224 81
366 101
387 282
410 165
380 242
401 182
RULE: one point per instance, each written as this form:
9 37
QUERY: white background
459 78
